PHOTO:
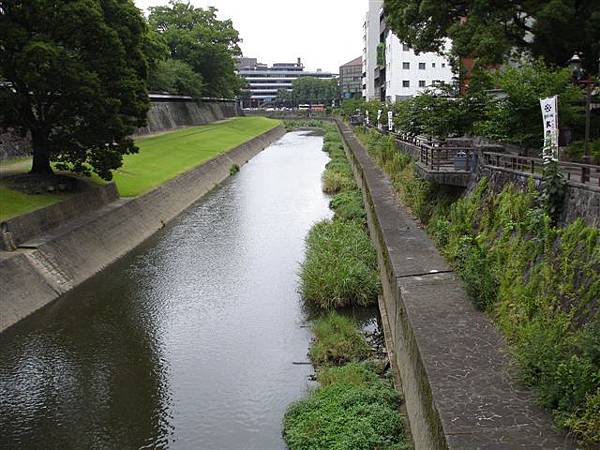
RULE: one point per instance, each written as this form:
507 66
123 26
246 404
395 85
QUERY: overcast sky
324 33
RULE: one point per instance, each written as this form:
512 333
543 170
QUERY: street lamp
580 77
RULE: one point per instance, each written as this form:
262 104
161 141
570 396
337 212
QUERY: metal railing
437 155
576 172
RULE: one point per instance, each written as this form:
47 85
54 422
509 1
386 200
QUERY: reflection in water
187 342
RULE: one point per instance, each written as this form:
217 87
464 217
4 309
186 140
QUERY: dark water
187 342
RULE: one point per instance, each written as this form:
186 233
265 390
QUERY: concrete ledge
26 226
456 376
33 278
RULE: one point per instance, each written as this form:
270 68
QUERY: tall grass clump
349 206
337 341
353 409
340 266
337 176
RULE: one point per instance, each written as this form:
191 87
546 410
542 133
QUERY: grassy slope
165 156
160 158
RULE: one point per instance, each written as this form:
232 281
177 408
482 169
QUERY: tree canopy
310 90
490 31
197 38
76 76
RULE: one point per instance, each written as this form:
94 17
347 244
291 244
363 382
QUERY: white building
371 39
403 74
407 74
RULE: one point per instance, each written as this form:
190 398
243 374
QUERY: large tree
75 73
491 31
196 37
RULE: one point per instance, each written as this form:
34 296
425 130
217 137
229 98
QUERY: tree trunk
41 154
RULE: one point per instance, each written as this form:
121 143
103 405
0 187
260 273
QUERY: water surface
188 341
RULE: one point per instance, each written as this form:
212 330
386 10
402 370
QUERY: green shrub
349 206
575 151
352 410
337 341
340 266
475 270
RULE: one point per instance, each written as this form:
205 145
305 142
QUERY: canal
189 341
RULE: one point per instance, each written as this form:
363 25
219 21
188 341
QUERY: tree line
309 90
75 74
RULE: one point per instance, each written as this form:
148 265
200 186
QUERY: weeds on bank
353 409
349 206
540 282
291 125
337 341
340 266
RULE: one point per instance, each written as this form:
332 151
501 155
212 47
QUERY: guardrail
577 172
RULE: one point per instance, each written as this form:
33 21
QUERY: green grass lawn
167 155
161 158
13 203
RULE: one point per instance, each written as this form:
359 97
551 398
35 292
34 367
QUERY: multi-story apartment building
393 70
351 79
407 74
371 37
264 82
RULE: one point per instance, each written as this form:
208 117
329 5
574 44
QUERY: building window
406 83
421 66
443 64
421 83
406 65
433 65
405 47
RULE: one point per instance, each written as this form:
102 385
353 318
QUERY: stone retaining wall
581 201
33 277
164 115
456 376
169 115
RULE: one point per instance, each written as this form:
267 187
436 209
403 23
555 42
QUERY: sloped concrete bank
20 229
50 265
456 376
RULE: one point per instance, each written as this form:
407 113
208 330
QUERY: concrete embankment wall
33 277
169 115
20 229
459 390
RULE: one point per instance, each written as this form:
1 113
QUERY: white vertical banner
390 121
379 119
550 116
366 117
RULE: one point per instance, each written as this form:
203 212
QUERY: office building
264 82
351 79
